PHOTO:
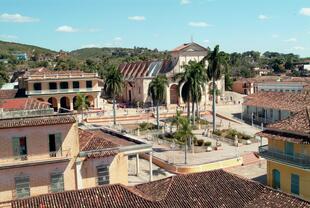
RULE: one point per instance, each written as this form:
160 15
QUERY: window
89 84
276 179
289 148
22 187
52 85
57 182
103 175
37 86
139 90
295 184
76 85
63 85
20 147
54 141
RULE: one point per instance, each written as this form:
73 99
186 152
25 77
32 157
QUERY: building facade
44 152
60 88
269 107
288 154
250 86
138 76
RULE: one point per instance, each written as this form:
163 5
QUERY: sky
236 25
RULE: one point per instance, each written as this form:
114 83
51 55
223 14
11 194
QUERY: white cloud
91 45
17 18
305 11
275 36
66 29
262 17
206 41
199 24
291 40
118 39
8 37
298 48
137 18
184 2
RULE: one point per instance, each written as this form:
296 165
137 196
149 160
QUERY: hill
7 48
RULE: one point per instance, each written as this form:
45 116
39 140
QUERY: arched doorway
40 99
174 94
90 100
53 103
74 103
64 104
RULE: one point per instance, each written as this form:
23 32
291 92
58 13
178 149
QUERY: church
138 75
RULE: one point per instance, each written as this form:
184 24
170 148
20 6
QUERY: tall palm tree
157 91
184 134
192 80
81 103
113 85
216 65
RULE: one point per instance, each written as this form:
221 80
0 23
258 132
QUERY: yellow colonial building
60 88
288 154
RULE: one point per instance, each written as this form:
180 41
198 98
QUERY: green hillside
10 47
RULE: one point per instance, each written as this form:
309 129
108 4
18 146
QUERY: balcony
298 160
32 159
62 91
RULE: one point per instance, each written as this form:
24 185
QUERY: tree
192 80
113 85
4 77
157 91
176 120
216 65
81 103
184 134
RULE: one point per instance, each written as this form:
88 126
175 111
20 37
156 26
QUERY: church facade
138 75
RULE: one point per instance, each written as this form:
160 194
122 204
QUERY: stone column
151 166
71 104
79 179
137 165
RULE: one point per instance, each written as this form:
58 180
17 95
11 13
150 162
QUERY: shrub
147 126
200 142
207 144
217 132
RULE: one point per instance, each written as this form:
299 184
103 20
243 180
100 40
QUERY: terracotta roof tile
94 140
295 128
22 104
201 190
8 94
36 121
289 101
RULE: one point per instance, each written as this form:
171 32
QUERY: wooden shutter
58 141
16 146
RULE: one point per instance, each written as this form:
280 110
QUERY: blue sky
237 25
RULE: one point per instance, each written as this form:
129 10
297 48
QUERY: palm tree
113 85
81 103
176 120
157 91
216 65
192 81
184 134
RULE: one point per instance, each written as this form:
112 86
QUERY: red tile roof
201 190
36 121
295 128
22 104
96 142
7 94
289 101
